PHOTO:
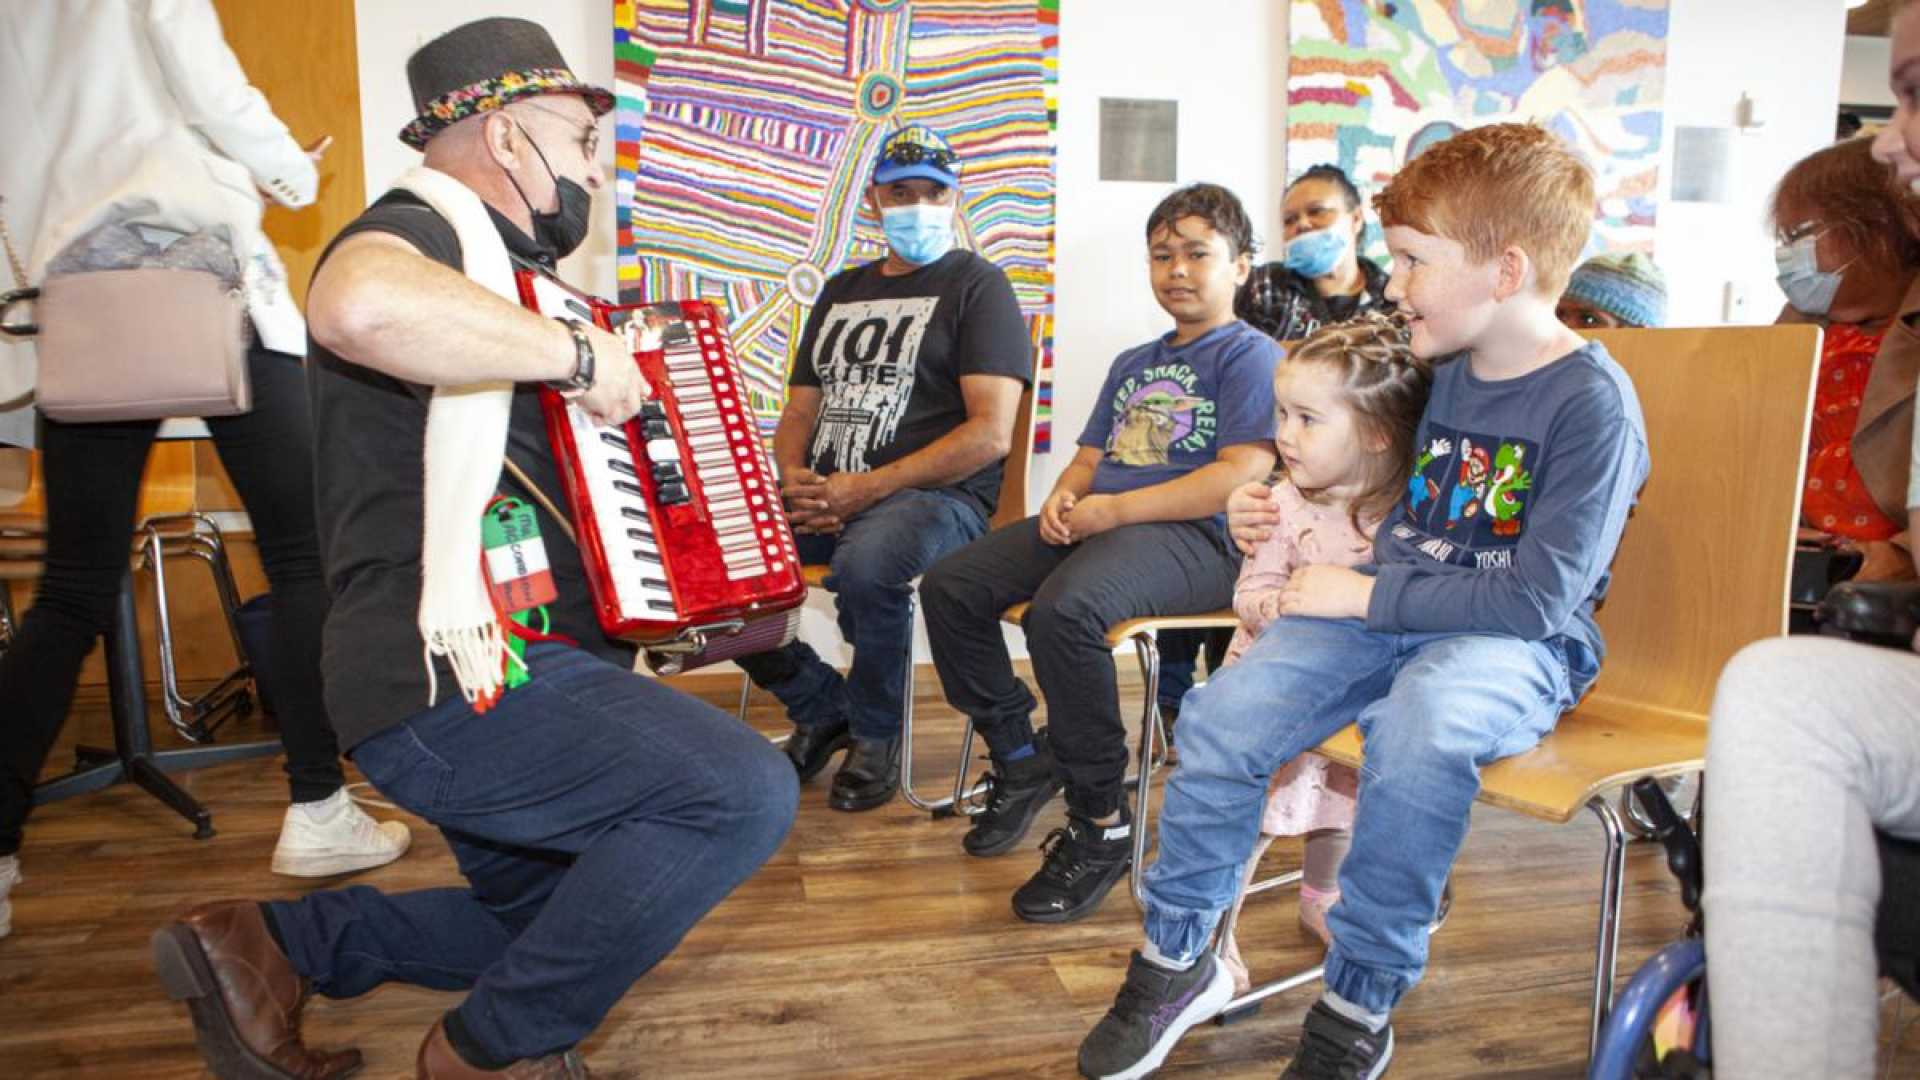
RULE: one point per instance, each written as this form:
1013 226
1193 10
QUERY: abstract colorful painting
746 130
1373 82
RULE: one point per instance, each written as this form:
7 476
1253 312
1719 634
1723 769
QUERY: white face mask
1809 289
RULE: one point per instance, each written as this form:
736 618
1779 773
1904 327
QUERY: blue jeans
873 562
1434 709
596 815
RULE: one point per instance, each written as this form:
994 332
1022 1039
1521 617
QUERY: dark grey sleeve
1597 459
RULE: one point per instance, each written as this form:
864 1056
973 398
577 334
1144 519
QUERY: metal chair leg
1247 1004
1606 952
957 804
1149 653
195 719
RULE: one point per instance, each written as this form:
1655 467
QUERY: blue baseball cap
916 150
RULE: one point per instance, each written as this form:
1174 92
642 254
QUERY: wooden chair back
1703 568
1012 506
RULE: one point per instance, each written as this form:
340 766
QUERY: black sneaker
1016 792
1082 862
1153 1009
1333 1047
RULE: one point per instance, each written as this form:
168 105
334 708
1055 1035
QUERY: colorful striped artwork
746 130
1371 83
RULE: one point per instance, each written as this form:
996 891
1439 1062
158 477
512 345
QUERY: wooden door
305 59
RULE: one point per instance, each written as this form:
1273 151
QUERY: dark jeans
1078 591
596 815
1180 652
93 485
874 561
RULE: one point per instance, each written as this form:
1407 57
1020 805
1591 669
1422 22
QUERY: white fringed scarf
466 441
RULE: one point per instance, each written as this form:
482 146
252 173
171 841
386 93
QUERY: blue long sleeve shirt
1519 493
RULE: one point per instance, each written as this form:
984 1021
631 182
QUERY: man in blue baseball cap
900 411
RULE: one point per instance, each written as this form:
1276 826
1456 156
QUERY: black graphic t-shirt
1520 491
888 354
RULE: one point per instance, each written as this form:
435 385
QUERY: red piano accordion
677 511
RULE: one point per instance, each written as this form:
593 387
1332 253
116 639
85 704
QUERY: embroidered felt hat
486 65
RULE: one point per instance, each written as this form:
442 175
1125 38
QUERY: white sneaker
9 877
334 836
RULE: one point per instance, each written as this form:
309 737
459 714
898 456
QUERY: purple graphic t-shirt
1166 410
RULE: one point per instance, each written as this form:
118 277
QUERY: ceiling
1874 18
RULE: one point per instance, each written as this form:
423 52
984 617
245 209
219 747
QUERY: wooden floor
869 946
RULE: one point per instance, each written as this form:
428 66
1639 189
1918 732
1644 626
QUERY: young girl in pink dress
1346 401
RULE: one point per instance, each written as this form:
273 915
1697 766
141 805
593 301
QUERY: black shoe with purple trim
1153 1009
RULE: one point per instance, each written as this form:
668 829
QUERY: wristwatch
581 380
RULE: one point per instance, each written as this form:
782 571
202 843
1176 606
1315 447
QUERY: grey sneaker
1333 1047
1153 1009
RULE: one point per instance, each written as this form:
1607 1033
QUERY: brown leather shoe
439 1061
245 997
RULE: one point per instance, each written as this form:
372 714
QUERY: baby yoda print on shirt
1166 410
1150 419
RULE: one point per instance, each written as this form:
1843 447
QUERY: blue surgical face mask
1809 289
1315 254
919 233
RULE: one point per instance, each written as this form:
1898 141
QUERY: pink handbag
136 344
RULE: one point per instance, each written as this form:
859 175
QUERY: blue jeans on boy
873 562
596 815
1434 709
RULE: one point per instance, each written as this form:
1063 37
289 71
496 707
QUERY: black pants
93 484
1180 653
1078 591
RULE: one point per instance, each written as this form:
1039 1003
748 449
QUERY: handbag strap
13 257
539 496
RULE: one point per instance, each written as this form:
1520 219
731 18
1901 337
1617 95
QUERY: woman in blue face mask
1847 256
1320 277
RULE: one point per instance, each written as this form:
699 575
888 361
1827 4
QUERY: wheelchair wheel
1658 1027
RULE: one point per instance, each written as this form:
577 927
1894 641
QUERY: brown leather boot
438 1060
245 997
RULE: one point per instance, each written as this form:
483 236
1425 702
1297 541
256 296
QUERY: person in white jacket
119 103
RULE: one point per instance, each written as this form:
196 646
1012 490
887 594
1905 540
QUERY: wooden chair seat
1589 752
1119 634
815 575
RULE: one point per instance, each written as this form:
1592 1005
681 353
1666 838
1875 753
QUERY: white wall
389 32
1228 117
1863 78
1787 53
1228 72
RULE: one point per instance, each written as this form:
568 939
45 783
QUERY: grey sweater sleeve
1595 461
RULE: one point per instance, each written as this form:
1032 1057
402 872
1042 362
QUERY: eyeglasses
908 153
1799 232
589 140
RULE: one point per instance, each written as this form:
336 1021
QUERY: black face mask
565 229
